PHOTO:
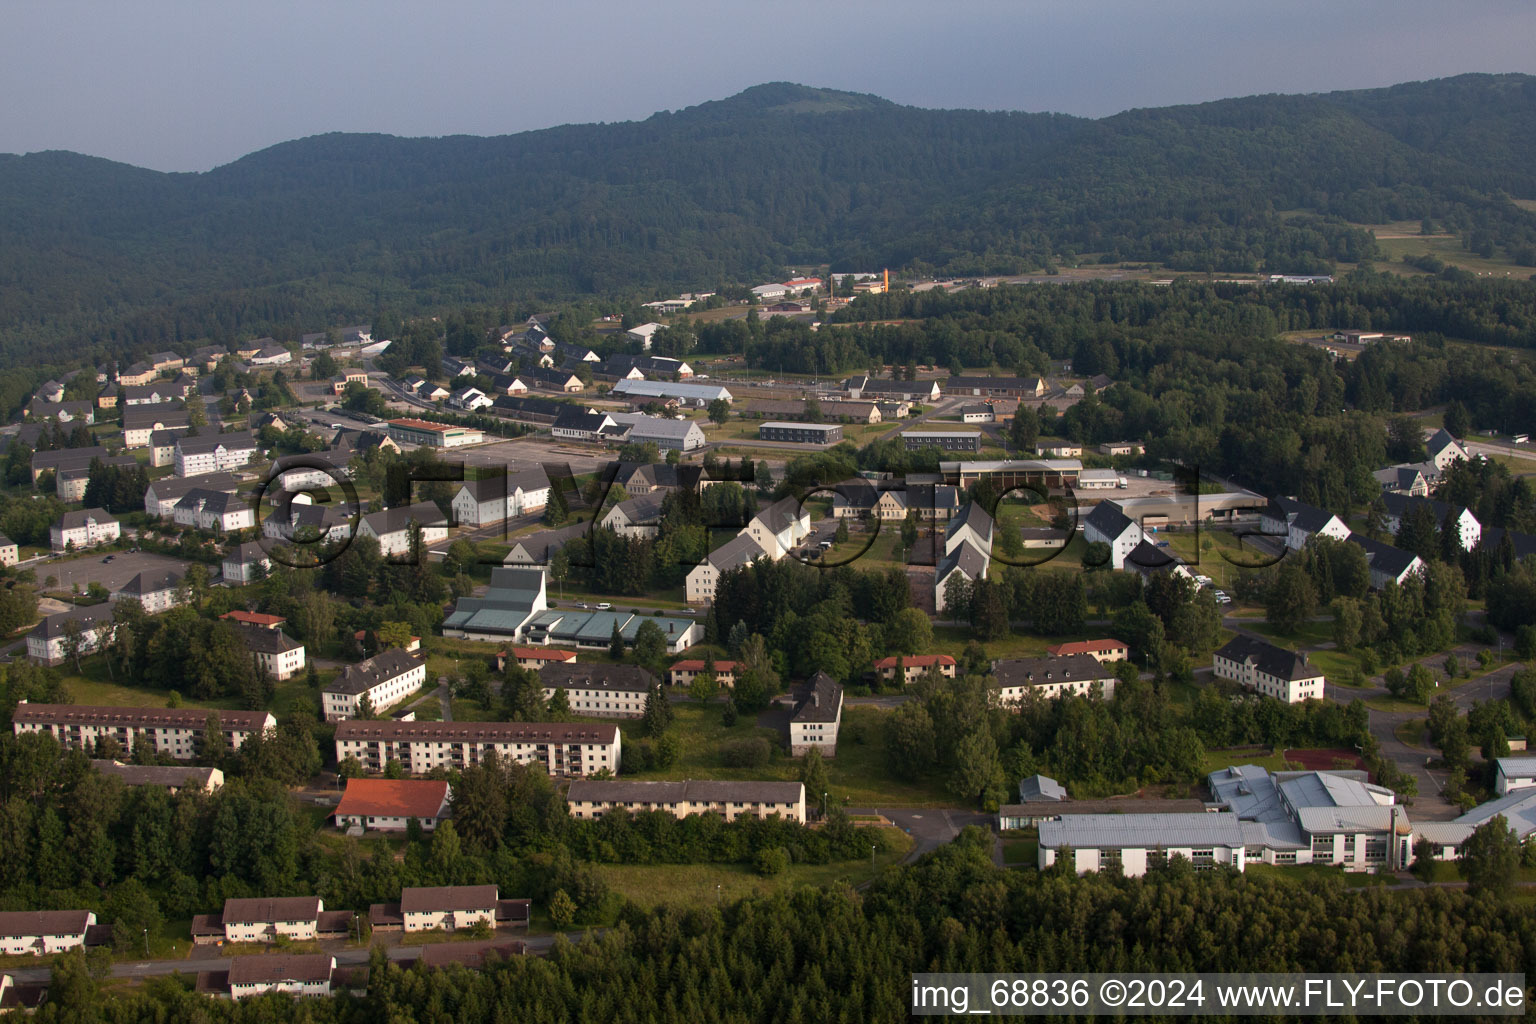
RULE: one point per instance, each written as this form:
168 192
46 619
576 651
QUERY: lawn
693 884
1215 760
952 640
94 686
858 774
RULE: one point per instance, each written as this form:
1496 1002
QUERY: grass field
858 773
1445 247
1215 760
693 884
93 685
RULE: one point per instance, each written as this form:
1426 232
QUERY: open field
1444 247
711 884
858 773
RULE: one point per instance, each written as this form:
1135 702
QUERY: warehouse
803 433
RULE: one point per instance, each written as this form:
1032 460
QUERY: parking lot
112 575
524 454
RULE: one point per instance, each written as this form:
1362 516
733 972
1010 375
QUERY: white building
389 805
263 919
1444 449
730 800
1272 671
1098 480
818 713
1299 522
562 749
385 679
1513 773
84 528
448 907
289 974
644 334
662 431
246 563
176 732
599 691
1107 524
702 579
48 643
213 453
279 654
155 591
496 499
39 932
392 527
1080 675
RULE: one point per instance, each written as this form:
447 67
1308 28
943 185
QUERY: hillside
332 228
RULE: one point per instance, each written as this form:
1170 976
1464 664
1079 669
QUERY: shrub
772 861
749 753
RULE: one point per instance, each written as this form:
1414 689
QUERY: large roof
574 675
1269 659
261 909
1070 668
663 389
436 898
393 798
277 968
1142 831
380 668
477 732
1308 518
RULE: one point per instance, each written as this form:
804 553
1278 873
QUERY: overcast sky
190 84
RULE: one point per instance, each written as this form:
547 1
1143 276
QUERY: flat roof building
802 433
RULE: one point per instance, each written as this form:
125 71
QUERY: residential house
141 422
84 528
280 655
683 673
1444 449
63 412
265 919
1080 675
496 499
965 562
550 379
215 511
1387 563
448 907
818 712
42 932
587 799
289 974
1407 479
383 680
1468 530
49 641
1105 651
641 478
64 458
71 480
389 805
162 446
392 528
1273 671
10 552
532 658
560 748
246 563
743 549
155 591
514 597
175 732
911 667
470 399
635 518
163 495
161 392
779 528
1054 448
1299 522
271 355
538 548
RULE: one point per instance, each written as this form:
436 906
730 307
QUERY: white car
604 606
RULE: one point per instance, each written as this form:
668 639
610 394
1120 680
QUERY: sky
186 85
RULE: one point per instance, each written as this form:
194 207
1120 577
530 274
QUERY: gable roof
966 557
1108 519
1308 518
365 675
1269 659
1384 558
151 582
393 798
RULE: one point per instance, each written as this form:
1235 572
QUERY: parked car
604 606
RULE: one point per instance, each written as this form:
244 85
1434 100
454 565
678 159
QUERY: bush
773 861
750 753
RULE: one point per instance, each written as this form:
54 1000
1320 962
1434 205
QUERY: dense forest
840 955
335 228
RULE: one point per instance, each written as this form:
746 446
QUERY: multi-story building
154 591
246 563
588 799
142 422
162 496
1073 674
818 712
913 666
388 805
84 528
948 440
279 654
802 433
496 499
49 641
10 552
533 658
215 511
385 680
563 749
39 932
162 446
448 907
175 732
392 527
599 691
1108 524
290 974
1272 671
264 919
213 453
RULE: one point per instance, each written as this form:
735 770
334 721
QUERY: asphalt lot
525 453
112 575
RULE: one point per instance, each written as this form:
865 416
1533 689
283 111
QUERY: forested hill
329 229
